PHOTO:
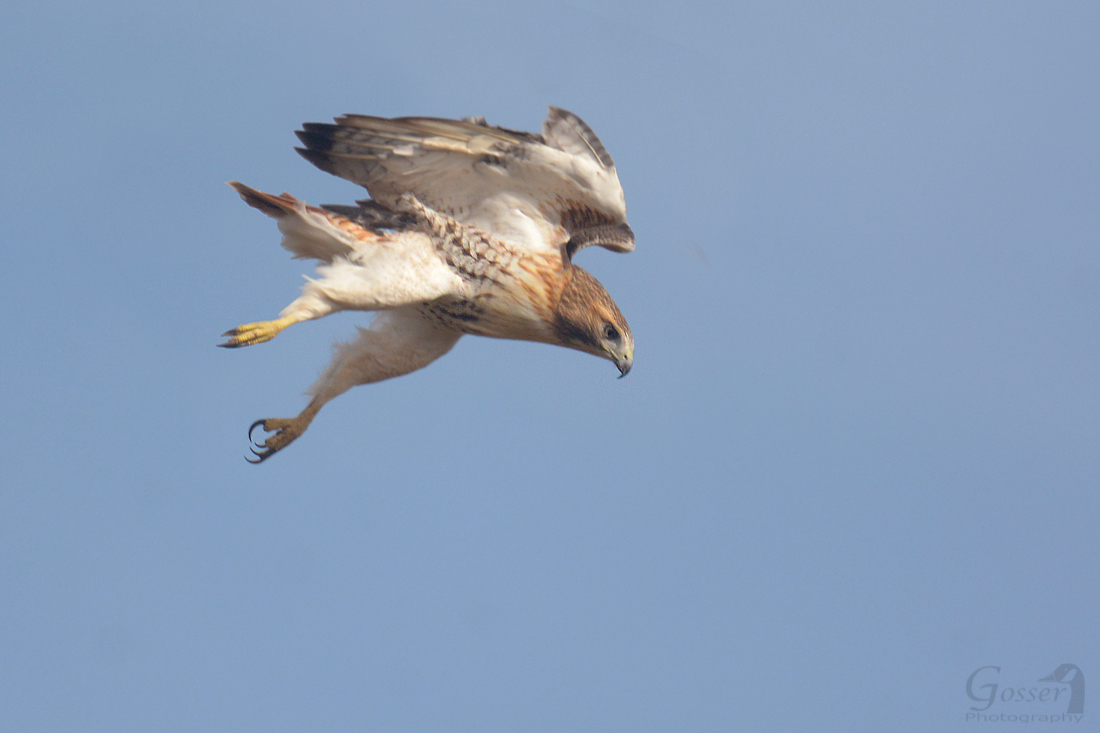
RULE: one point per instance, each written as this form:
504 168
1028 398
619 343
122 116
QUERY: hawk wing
556 191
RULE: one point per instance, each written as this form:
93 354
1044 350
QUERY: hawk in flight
469 228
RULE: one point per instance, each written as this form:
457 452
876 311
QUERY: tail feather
274 206
308 232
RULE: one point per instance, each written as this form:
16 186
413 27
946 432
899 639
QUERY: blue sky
856 459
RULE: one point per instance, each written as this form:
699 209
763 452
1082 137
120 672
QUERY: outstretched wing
555 191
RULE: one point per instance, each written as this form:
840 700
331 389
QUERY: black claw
230 344
260 457
264 451
253 427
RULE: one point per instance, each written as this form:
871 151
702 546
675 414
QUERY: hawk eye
610 333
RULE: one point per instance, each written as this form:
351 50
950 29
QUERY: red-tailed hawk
470 228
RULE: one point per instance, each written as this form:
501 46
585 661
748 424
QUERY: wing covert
539 190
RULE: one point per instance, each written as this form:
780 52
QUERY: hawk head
587 319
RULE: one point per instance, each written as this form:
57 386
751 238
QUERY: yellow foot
286 430
255 333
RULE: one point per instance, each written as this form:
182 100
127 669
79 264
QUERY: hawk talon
283 433
255 333
253 427
260 456
265 452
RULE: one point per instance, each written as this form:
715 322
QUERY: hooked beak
624 364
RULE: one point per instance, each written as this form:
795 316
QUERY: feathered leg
398 342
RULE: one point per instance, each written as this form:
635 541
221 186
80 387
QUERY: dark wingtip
319 158
315 136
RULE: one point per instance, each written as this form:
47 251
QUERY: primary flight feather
470 228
